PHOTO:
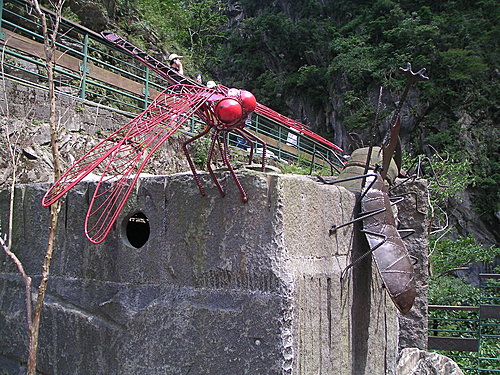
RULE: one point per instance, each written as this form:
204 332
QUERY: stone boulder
413 361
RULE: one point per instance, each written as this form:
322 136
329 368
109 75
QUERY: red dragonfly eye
248 101
228 110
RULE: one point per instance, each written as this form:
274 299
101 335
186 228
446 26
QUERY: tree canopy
332 54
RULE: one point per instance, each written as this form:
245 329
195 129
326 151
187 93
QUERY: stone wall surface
413 214
24 114
220 287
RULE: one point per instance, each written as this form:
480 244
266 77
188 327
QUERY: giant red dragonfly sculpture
121 157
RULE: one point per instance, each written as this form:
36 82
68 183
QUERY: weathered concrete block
220 287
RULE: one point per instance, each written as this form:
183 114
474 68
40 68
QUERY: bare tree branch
49 47
6 240
26 279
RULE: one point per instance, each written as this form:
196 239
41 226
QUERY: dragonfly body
386 244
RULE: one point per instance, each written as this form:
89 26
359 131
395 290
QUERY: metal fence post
192 125
279 141
83 66
145 89
256 130
299 151
314 153
2 34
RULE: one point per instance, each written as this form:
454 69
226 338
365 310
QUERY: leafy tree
188 26
450 254
336 52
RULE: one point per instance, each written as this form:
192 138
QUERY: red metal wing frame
95 157
124 154
88 162
295 125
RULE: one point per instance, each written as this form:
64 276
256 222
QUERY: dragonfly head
236 107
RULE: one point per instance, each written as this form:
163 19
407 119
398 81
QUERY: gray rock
82 127
413 361
413 214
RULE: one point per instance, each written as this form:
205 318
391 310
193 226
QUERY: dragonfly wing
173 97
86 164
167 113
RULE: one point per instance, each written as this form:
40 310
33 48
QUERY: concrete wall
220 287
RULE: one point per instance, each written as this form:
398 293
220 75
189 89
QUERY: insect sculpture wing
122 156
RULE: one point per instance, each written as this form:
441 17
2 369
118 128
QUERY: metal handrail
472 326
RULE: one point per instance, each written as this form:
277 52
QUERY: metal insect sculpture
123 155
385 240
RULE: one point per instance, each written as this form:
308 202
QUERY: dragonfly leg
190 160
383 238
215 138
257 140
250 143
225 147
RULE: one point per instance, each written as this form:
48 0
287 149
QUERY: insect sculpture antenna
379 225
372 134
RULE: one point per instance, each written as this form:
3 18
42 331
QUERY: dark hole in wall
137 230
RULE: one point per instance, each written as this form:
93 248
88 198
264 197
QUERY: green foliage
451 176
452 291
447 178
295 168
462 65
199 152
449 254
303 167
335 52
188 27
447 290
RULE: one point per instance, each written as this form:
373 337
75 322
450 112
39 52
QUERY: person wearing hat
175 63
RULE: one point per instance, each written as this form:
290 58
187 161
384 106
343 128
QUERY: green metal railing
470 334
98 73
91 52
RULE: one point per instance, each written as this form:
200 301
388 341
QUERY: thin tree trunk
35 328
49 44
